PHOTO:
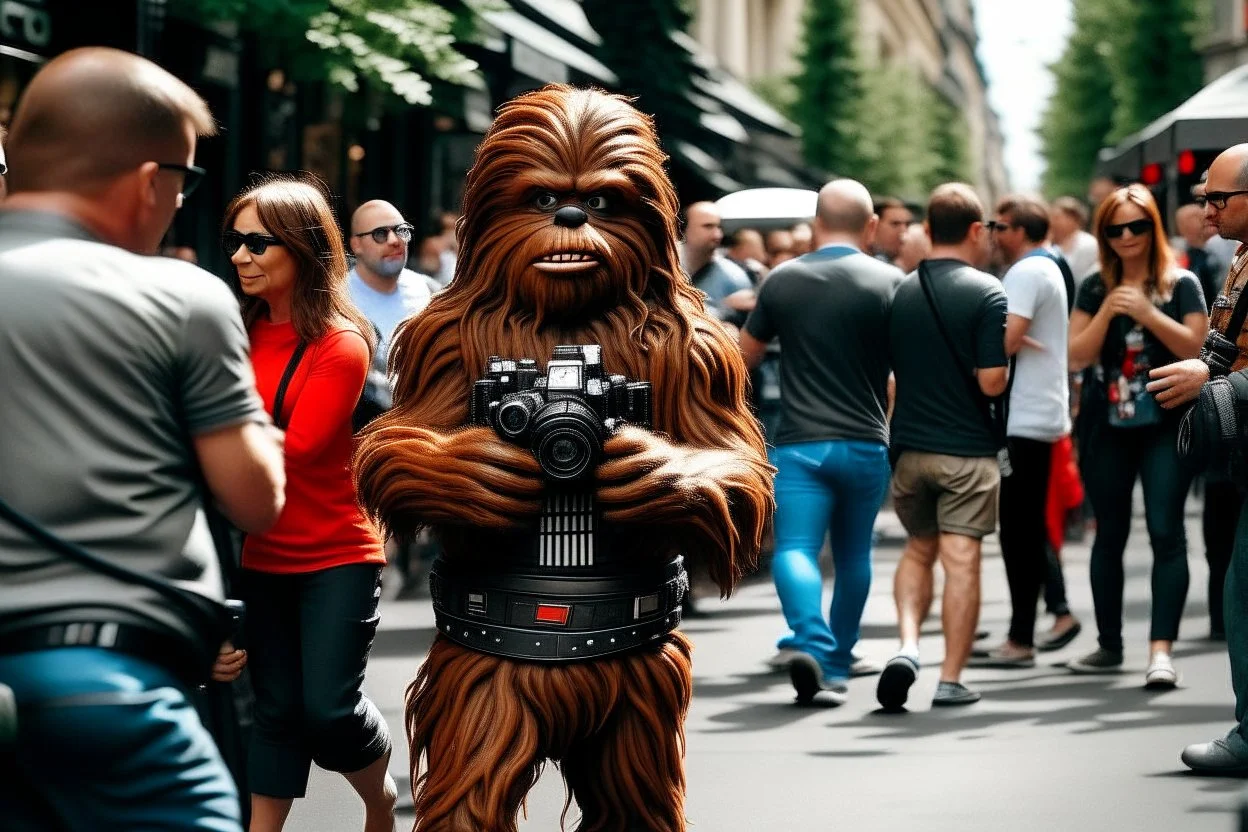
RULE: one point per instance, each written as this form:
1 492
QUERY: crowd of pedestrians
932 363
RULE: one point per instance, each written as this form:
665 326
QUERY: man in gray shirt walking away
830 310
126 394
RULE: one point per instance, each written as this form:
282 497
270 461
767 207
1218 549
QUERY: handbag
993 411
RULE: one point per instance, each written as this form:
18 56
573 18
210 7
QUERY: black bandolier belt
568 601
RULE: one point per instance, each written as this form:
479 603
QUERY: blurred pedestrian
1068 220
311 582
1038 413
1202 260
186 254
915 247
729 292
448 254
1176 386
381 285
830 311
126 389
803 239
947 341
1141 311
1100 188
895 217
744 247
779 244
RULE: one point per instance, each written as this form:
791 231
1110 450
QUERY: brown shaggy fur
698 485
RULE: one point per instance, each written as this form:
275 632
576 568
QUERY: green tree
1077 120
1154 60
397 45
829 86
638 46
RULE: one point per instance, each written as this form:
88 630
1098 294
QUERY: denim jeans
833 487
108 741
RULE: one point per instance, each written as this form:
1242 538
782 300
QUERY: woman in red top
311 583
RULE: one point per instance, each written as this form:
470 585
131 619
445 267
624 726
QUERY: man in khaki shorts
946 477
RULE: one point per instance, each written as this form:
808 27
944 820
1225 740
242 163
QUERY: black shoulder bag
1211 433
279 398
992 411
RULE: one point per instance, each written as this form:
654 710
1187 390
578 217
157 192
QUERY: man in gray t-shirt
126 389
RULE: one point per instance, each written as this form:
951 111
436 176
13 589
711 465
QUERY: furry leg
480 744
630 774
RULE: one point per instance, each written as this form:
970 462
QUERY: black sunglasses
257 244
382 232
993 225
191 176
1218 198
1136 227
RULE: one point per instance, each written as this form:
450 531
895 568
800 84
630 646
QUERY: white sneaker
1161 674
863 667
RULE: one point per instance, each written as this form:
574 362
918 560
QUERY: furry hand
646 478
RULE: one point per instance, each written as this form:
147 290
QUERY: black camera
565 416
1220 353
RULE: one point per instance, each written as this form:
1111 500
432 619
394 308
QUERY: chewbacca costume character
549 649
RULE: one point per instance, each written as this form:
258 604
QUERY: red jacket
322 525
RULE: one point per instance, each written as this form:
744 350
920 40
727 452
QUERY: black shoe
807 678
1050 643
1099 660
895 680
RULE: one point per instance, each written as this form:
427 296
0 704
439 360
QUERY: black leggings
1111 461
1219 519
308 638
1024 498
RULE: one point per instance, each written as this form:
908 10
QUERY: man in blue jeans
830 310
127 392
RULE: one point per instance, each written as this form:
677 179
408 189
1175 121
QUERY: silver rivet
483 632
634 632
589 641
538 643
498 641
573 649
465 634
613 641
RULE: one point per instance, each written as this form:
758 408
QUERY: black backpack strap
280 398
994 424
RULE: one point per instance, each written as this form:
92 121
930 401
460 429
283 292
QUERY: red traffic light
1151 174
1187 163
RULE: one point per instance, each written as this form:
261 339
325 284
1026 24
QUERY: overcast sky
1017 41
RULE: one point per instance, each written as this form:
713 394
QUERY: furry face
569 208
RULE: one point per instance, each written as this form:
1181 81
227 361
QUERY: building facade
757 40
1226 44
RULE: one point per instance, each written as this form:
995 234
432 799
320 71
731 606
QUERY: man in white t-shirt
381 285
1039 412
1067 221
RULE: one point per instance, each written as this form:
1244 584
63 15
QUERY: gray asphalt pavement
1043 751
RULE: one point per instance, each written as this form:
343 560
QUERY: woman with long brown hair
311 583
1140 311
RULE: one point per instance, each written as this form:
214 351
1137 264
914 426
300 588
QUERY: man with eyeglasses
126 394
382 286
1226 206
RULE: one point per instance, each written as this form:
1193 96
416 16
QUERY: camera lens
567 439
515 415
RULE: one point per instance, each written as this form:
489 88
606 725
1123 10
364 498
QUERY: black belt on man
163 649
556 616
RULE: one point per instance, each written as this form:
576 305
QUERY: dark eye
546 200
597 202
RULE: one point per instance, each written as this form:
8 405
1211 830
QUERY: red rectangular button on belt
552 614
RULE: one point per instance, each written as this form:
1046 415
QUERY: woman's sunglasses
1136 227
257 244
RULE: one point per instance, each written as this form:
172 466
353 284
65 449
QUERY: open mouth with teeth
566 261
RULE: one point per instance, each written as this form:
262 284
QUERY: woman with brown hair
311 583
1140 311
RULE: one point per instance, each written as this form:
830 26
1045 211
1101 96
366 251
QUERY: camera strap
994 420
279 399
1238 315
184 599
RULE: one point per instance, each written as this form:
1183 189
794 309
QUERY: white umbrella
767 207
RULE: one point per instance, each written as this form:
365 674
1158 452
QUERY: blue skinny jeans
833 487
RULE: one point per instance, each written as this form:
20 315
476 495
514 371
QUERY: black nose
569 216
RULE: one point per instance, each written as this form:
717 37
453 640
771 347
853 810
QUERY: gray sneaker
1099 660
954 693
894 686
863 667
1215 758
999 657
781 660
807 678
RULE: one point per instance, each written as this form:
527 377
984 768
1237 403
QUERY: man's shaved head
373 213
93 114
844 205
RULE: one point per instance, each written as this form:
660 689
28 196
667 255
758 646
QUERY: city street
1044 750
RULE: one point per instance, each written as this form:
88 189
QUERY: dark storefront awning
540 53
1212 119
